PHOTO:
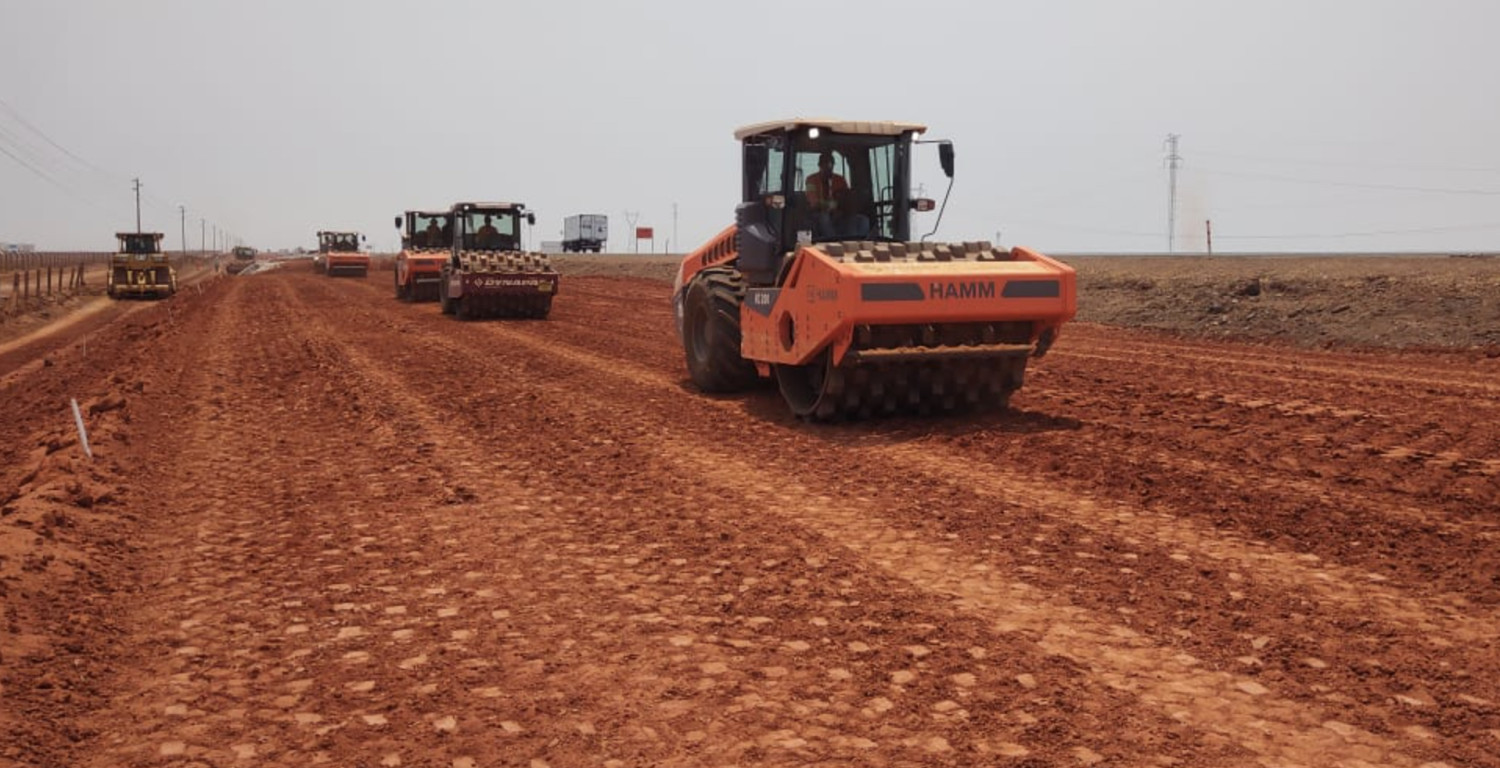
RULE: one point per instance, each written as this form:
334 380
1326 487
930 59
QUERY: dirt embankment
68 532
1354 302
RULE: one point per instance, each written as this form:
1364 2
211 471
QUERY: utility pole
203 237
1174 160
1208 230
182 209
674 227
630 218
137 182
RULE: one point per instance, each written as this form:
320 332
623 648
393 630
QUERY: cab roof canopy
138 234
431 214
488 206
876 128
337 234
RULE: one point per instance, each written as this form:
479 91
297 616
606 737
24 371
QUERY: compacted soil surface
322 526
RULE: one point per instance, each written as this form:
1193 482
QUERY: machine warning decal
891 292
760 300
1031 289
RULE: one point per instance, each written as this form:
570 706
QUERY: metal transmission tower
631 217
137 183
1173 161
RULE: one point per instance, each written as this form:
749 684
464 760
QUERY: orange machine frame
831 289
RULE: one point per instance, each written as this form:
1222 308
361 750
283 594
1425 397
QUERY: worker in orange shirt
832 202
824 188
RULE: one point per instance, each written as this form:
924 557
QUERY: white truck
585 232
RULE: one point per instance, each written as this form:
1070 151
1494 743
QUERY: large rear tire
711 332
444 302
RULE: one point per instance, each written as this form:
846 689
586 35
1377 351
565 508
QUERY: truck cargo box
585 232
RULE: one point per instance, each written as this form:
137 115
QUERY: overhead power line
58 165
1295 236
18 117
43 175
1372 233
1353 184
1349 163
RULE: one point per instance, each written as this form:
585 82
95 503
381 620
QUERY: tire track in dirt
1282 454
1253 482
1462 698
939 464
1313 403
1282 364
454 350
1389 412
312 620
1314 737
1279 475
1173 531
211 667
605 310
377 534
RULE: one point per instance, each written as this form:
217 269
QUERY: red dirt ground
323 526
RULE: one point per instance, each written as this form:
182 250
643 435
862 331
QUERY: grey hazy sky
1302 121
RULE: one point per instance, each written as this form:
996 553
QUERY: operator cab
338 242
426 229
812 181
490 226
139 243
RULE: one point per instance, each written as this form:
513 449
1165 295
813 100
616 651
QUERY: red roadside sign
644 233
